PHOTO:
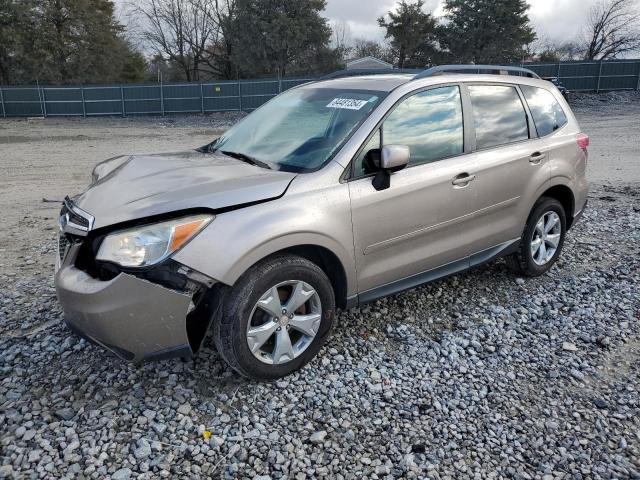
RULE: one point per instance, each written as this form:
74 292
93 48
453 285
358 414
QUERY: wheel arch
327 261
330 256
565 196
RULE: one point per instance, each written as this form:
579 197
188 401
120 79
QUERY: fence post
638 86
84 107
44 102
240 94
201 99
599 75
161 97
4 112
558 74
122 99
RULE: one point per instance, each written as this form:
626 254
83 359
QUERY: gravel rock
467 377
143 449
121 474
318 437
600 403
65 413
6 471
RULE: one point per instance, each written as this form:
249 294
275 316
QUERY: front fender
236 240
284 242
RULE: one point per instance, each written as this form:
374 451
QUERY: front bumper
132 317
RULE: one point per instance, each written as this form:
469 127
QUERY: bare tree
221 13
341 34
546 49
613 29
341 38
370 48
178 30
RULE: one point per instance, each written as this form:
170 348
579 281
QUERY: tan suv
333 194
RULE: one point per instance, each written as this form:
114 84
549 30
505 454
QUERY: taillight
582 140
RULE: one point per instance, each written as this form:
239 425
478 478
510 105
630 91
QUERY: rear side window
498 115
430 123
545 109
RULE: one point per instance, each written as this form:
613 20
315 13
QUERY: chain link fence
247 95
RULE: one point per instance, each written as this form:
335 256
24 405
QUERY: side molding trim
437 273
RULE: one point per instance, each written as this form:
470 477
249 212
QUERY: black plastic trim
578 215
443 271
182 351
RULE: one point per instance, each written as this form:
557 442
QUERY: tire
524 261
241 311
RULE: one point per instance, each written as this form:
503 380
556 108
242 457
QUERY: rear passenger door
510 164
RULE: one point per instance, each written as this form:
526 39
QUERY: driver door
419 223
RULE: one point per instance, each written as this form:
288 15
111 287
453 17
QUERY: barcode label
348 103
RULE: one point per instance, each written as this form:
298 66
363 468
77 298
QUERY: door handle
463 180
537 157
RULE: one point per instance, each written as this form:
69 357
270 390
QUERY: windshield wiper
248 159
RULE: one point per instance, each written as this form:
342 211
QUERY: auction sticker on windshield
348 103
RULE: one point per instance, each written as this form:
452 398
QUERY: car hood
137 186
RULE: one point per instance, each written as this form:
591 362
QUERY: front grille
78 220
73 219
62 245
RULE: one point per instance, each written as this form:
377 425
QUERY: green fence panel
22 101
142 99
61 101
545 70
247 95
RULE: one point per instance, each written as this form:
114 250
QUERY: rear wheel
276 317
542 239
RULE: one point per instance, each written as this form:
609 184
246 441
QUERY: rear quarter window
547 113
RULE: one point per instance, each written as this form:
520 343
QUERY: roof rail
354 72
477 69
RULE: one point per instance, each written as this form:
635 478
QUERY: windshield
299 130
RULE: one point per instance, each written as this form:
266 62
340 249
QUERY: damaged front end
139 314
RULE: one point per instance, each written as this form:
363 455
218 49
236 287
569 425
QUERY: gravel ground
481 375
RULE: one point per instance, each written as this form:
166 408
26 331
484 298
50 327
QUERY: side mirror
392 159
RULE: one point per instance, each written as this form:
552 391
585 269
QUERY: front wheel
275 318
542 239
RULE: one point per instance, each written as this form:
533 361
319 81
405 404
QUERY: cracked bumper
133 318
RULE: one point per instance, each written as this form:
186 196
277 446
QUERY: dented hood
132 187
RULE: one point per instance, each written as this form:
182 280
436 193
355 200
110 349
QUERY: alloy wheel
546 237
284 322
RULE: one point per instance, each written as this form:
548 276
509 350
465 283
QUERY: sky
555 20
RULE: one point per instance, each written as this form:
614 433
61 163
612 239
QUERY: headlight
150 244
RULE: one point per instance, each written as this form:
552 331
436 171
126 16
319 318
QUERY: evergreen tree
11 42
486 31
273 37
64 41
412 34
